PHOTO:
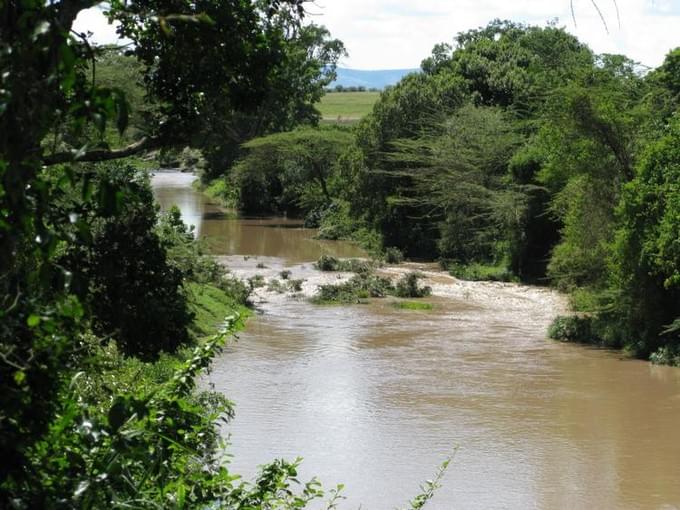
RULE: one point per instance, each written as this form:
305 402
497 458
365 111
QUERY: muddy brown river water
376 397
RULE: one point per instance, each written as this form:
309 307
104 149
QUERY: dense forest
517 154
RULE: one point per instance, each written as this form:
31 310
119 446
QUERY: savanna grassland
346 107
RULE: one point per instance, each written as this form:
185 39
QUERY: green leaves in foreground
428 489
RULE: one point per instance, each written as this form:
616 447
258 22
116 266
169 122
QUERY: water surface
376 397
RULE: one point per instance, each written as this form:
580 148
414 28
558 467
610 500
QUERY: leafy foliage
646 260
519 154
293 172
330 263
407 286
123 274
357 289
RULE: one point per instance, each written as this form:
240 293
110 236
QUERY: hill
374 79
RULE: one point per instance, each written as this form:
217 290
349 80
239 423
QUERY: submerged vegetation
412 305
330 263
356 290
365 283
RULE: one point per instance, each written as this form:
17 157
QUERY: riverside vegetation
516 154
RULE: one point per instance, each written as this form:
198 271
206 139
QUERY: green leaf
33 320
19 377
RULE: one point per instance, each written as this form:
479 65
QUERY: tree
504 65
291 172
459 182
646 262
309 59
189 57
122 274
591 131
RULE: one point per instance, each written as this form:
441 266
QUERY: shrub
393 255
222 190
481 272
572 328
330 263
295 285
327 263
191 160
256 281
276 286
130 281
666 355
407 286
361 286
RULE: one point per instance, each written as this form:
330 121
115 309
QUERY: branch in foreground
142 145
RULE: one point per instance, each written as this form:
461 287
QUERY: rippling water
376 397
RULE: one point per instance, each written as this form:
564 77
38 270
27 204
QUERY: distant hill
370 79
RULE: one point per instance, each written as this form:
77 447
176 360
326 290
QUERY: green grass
346 107
211 306
412 305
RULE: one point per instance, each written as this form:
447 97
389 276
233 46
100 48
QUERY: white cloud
383 34
388 34
93 20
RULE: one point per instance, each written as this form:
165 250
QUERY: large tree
192 54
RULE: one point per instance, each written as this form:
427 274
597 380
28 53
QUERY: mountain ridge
370 79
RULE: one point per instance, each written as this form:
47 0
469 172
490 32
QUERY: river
377 397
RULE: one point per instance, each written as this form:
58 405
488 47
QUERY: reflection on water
376 397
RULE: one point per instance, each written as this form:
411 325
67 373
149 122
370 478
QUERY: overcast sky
392 34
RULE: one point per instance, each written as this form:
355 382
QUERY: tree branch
142 145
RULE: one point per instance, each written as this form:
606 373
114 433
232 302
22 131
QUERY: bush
191 160
223 191
210 306
330 263
666 355
295 285
481 272
572 328
129 282
188 255
407 286
334 221
275 285
393 255
255 282
361 286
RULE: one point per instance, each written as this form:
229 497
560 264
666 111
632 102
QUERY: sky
399 34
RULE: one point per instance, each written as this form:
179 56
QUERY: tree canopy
71 235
